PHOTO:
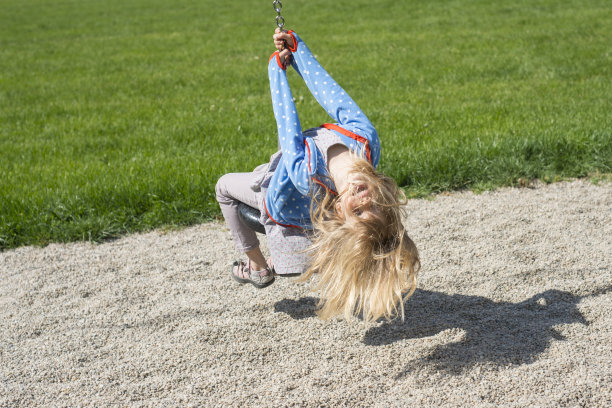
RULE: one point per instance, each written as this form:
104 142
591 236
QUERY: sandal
242 273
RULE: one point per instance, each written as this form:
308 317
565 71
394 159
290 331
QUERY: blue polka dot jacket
302 169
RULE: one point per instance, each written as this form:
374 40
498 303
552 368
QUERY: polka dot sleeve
296 154
336 102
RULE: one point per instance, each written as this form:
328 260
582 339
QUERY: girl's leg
231 189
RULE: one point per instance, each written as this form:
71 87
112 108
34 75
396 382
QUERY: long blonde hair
366 264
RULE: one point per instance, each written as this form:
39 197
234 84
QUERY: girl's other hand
282 39
285 57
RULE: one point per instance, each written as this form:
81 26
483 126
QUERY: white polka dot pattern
301 159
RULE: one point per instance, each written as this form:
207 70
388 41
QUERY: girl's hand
285 57
282 39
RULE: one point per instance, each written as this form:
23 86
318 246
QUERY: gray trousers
288 246
231 189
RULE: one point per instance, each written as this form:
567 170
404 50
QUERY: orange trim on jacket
278 61
308 147
276 222
352 135
294 49
319 182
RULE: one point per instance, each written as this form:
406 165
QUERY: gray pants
287 245
232 189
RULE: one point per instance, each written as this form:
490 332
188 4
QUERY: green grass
120 116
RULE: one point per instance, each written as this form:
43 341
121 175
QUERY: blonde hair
366 264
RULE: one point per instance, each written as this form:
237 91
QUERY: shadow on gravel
483 330
499 332
298 309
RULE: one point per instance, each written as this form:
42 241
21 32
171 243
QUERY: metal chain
278 6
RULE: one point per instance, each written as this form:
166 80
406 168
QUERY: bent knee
221 190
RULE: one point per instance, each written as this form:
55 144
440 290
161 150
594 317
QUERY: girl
325 208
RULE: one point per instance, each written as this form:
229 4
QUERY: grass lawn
120 116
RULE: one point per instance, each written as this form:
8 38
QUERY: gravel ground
513 309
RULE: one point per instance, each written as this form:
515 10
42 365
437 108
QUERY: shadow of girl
498 332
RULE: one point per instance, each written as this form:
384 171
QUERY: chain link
278 6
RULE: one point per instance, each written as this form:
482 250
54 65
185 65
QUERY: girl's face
355 200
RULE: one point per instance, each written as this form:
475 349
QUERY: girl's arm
336 102
298 159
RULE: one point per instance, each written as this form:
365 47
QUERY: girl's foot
243 273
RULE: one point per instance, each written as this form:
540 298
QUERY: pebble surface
513 309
